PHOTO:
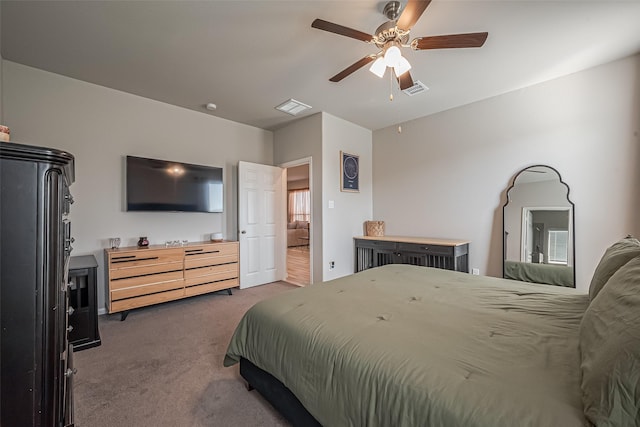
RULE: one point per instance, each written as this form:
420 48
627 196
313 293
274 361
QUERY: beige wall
300 140
345 220
445 174
321 137
99 126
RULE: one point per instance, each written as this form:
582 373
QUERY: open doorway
299 223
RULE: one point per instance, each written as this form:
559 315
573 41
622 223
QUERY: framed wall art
349 172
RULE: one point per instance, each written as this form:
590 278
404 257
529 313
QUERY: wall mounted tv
160 185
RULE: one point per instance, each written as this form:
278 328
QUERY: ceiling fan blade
450 41
343 31
350 69
405 81
411 13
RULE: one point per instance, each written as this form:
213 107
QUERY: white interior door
261 223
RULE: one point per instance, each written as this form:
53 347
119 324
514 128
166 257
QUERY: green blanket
413 346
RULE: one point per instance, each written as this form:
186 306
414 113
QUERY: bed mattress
401 345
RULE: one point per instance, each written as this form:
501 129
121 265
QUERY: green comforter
413 346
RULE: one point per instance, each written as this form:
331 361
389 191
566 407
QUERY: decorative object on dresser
143 242
114 242
374 228
141 277
422 251
83 302
36 373
5 133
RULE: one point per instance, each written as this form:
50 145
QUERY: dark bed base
276 393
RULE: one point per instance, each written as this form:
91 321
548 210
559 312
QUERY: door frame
312 228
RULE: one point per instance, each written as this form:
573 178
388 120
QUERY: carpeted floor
162 366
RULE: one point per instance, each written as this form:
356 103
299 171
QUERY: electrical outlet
332 265
475 271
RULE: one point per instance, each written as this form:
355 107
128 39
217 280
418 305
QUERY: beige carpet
162 366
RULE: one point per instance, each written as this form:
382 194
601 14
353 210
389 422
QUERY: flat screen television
160 185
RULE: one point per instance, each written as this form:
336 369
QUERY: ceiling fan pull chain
390 86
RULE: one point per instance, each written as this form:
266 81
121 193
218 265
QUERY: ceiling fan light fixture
392 55
378 67
402 66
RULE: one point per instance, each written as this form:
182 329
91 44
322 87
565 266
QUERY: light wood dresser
138 277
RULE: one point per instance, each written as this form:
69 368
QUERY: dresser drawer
210 287
211 259
210 273
136 291
144 257
142 262
425 249
145 269
214 249
145 280
128 304
375 244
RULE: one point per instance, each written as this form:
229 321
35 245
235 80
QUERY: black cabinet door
83 300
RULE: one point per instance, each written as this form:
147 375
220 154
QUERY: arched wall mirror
539 232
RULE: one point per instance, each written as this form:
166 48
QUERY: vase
143 242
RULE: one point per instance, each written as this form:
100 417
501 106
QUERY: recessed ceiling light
292 107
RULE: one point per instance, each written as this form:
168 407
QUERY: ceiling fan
394 34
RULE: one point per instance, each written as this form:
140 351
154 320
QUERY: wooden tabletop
162 246
418 240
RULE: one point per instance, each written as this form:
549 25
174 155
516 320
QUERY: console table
375 251
137 277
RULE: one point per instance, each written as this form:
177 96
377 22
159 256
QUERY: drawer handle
69 328
70 311
124 259
69 372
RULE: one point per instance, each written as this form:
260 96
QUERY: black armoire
36 367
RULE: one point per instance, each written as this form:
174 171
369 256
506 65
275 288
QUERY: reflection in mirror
538 228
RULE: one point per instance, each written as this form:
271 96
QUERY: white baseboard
102 311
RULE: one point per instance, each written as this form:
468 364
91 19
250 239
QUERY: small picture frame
349 172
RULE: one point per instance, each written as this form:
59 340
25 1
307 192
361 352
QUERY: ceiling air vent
418 87
292 107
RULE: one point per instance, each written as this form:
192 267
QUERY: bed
401 345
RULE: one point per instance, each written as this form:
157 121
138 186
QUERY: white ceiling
249 56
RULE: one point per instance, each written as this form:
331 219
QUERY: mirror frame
572 218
